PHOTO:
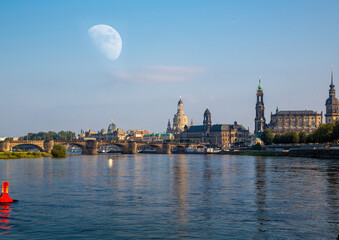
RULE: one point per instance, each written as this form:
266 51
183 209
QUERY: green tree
302 137
59 151
323 133
277 139
335 132
256 147
267 137
291 137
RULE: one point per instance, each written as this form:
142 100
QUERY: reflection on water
183 196
180 185
4 218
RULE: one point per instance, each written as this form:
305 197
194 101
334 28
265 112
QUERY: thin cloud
159 74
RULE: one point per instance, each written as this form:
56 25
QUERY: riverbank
255 153
18 155
324 153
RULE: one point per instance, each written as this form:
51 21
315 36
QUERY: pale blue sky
53 77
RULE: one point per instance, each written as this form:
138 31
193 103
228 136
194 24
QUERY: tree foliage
323 134
289 137
62 135
267 136
302 137
59 151
335 131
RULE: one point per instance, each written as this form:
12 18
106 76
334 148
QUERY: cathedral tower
180 118
260 120
207 121
332 104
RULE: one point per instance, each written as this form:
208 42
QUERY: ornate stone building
218 135
179 120
112 127
113 134
332 104
286 121
260 120
295 121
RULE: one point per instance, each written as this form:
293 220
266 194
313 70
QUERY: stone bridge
90 147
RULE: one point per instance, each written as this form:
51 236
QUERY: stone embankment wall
328 153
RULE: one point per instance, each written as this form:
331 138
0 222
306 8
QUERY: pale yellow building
295 121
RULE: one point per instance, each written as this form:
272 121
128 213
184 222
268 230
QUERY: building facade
179 120
332 104
260 120
113 134
218 135
295 121
291 120
158 137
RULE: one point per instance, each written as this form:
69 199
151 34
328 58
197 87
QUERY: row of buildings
295 120
113 134
217 135
227 135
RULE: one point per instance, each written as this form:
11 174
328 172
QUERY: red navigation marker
4 197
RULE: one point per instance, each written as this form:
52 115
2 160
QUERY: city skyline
54 78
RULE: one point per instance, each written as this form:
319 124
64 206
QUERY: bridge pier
5 146
166 148
91 147
132 148
48 146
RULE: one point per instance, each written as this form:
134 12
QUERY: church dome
207 112
112 127
331 101
180 101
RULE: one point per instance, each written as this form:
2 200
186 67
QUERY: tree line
325 133
62 135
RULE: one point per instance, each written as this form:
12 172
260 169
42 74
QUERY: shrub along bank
17 155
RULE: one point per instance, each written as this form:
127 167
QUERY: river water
155 196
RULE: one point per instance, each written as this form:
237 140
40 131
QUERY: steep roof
196 128
297 112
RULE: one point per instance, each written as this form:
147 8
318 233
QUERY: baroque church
332 104
179 120
217 135
297 121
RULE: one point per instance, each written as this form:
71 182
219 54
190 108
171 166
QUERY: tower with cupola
259 120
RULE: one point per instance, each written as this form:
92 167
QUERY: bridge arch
157 148
70 147
16 145
178 148
111 148
123 147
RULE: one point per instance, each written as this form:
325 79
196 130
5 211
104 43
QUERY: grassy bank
17 155
257 153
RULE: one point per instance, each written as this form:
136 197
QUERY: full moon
107 39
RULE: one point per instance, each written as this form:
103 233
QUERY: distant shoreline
18 155
324 153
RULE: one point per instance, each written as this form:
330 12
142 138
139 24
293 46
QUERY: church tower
332 104
207 121
180 118
169 129
260 120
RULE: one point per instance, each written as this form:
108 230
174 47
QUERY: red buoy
4 197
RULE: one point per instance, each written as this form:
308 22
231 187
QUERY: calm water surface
184 196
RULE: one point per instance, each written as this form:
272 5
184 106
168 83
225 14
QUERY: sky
211 53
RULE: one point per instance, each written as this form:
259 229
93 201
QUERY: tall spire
259 86
332 75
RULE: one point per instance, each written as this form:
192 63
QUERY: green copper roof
259 86
277 110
